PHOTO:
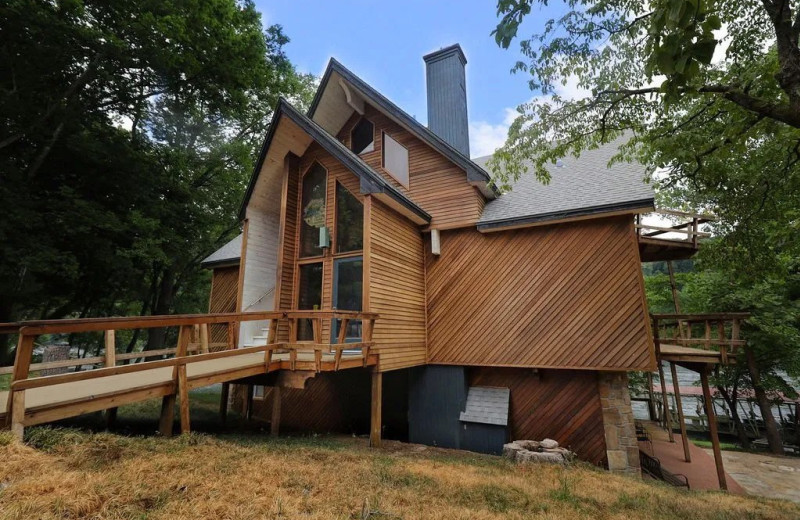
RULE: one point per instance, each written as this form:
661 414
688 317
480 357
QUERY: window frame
371 146
300 210
406 184
335 235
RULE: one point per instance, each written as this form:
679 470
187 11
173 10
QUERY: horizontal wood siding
435 184
563 405
396 288
289 250
561 296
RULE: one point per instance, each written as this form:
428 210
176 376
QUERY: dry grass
63 473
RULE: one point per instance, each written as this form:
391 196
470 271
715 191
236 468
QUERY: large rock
548 444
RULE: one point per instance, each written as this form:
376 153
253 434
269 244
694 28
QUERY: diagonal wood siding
561 296
563 405
224 287
396 288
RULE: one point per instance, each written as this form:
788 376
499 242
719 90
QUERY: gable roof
579 187
228 254
371 181
476 175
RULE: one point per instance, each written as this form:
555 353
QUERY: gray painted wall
436 397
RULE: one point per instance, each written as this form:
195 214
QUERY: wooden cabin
356 205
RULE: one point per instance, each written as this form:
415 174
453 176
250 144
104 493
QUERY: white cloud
485 137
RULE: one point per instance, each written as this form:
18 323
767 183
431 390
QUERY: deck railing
718 332
193 338
688 229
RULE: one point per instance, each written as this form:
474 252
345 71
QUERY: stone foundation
622 447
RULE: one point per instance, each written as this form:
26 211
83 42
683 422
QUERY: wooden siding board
396 288
224 290
557 296
435 184
560 404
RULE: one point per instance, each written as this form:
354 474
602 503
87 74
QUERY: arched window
312 210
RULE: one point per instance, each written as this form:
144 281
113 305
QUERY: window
349 221
309 297
258 392
312 210
362 137
395 159
348 280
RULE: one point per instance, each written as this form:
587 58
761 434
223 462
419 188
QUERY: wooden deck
36 400
676 242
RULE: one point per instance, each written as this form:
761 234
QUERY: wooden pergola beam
376 409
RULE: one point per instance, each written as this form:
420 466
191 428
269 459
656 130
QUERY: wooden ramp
37 400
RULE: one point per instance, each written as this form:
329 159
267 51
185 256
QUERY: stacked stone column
622 447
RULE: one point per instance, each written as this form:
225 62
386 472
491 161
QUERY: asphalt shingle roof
486 405
229 253
586 185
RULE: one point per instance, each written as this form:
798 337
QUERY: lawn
79 473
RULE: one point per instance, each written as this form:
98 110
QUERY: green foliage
129 131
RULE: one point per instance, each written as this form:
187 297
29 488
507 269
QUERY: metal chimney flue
447 96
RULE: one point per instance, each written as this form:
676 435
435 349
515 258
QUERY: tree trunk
732 401
773 435
6 352
156 338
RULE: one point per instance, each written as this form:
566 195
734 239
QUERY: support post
204 338
248 403
22 366
651 401
18 415
110 361
665 402
275 419
183 394
712 428
223 403
679 405
167 415
375 415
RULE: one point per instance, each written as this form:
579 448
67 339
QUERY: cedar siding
558 296
396 280
435 184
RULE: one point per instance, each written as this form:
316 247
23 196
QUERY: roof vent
447 96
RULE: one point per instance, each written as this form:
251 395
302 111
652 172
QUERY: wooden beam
651 402
18 415
665 402
712 428
183 394
223 403
275 419
376 409
167 415
686 453
110 362
204 338
22 365
248 403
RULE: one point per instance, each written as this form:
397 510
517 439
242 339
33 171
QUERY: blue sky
383 42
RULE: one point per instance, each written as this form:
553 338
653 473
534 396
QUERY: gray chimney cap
444 53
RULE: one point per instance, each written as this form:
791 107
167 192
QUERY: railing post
723 342
694 232
17 415
231 335
664 400
204 338
22 367
110 361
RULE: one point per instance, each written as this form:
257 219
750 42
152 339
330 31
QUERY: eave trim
567 214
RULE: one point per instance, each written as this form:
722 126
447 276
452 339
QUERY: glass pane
348 292
312 212
349 221
309 297
361 137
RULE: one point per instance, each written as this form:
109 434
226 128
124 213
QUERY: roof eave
226 262
371 182
634 206
476 175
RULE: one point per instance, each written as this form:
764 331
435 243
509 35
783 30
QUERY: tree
707 93
127 133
